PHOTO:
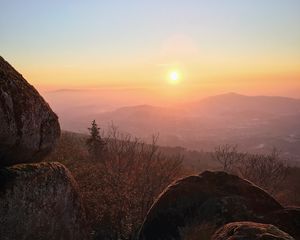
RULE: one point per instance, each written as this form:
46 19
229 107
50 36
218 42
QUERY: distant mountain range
255 123
233 102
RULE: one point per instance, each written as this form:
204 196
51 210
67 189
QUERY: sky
215 46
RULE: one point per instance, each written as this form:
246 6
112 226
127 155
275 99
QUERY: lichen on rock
29 128
41 201
250 231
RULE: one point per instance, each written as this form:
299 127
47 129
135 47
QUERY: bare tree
228 156
133 174
265 170
118 190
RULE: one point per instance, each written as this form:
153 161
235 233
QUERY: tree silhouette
95 143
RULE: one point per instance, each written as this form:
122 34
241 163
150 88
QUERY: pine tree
95 143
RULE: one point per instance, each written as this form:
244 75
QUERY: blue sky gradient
44 34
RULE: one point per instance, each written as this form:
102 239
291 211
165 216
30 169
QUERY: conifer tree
95 143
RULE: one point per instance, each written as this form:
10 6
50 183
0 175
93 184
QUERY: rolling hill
255 123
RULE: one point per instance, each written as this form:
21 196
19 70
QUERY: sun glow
174 77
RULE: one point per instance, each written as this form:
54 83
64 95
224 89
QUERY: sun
174 77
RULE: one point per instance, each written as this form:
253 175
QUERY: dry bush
196 232
290 193
267 171
133 175
119 188
228 156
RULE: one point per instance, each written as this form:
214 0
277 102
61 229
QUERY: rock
40 201
205 202
250 231
287 219
28 126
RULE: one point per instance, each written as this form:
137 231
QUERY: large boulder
205 202
250 231
40 201
28 126
287 219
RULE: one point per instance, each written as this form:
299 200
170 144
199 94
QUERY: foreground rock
40 201
205 203
250 231
287 219
28 126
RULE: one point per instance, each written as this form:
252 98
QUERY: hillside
255 123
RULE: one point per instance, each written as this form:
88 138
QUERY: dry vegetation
268 171
120 186
120 183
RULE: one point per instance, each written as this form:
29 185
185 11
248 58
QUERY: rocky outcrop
287 219
28 126
37 201
205 202
250 231
40 201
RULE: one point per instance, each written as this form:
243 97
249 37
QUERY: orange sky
250 47
199 78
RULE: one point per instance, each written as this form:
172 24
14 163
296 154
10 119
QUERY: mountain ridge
255 123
